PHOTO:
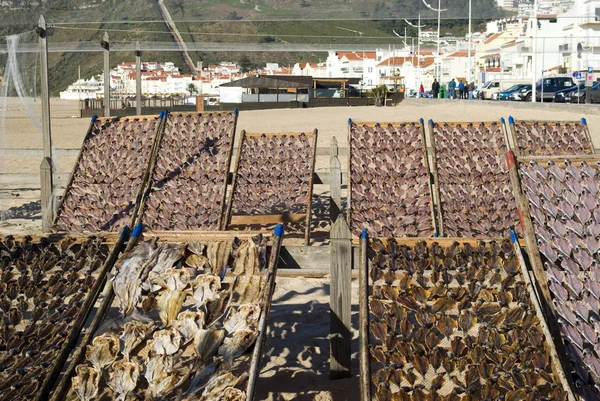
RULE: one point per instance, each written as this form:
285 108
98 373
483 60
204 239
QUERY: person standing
451 89
421 91
435 88
471 90
461 90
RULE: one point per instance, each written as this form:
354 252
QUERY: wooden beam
340 325
46 198
363 303
106 45
138 79
335 189
268 219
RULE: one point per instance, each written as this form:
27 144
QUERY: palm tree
192 89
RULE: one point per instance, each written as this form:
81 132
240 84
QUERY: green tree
192 89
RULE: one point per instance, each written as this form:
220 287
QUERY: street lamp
419 26
439 11
469 66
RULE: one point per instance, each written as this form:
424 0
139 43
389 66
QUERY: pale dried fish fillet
126 283
169 305
237 344
218 384
206 289
218 253
206 342
85 383
133 334
165 342
123 377
245 317
188 323
158 369
168 255
103 351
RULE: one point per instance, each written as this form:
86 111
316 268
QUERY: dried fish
165 342
207 342
123 377
85 383
103 351
236 344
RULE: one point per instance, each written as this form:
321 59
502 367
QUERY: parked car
508 94
578 96
547 87
560 95
498 85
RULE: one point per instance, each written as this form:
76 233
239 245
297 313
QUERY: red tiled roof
462 53
493 69
357 55
491 55
492 38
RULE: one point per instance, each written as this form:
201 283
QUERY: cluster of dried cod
184 324
475 191
565 209
542 138
108 176
455 323
42 289
389 180
190 173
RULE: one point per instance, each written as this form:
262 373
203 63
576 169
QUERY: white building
84 89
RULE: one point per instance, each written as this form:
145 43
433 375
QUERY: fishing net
20 109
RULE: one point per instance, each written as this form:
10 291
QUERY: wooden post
106 46
363 303
335 185
46 194
46 166
138 79
340 325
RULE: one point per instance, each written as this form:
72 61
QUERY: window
370 69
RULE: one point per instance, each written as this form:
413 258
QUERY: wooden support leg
46 194
340 323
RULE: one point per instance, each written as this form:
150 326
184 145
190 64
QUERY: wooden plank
557 367
310 186
140 204
278 134
560 158
363 302
222 217
436 183
588 135
46 198
234 181
106 45
513 133
430 183
340 326
335 190
265 311
349 170
138 78
264 219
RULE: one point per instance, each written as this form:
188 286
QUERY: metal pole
138 79
439 74
106 45
419 51
542 85
46 166
534 51
469 66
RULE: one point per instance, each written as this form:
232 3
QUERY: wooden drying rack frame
384 124
364 313
281 218
62 386
149 176
115 242
514 135
88 134
535 259
434 170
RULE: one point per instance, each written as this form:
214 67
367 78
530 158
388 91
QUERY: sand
295 365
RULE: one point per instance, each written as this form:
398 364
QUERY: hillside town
566 41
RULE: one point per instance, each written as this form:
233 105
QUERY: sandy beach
295 363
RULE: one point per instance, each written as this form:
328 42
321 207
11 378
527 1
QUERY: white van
499 85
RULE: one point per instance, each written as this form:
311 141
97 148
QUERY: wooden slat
436 184
363 339
278 134
223 217
431 182
340 325
310 187
561 158
557 367
264 219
